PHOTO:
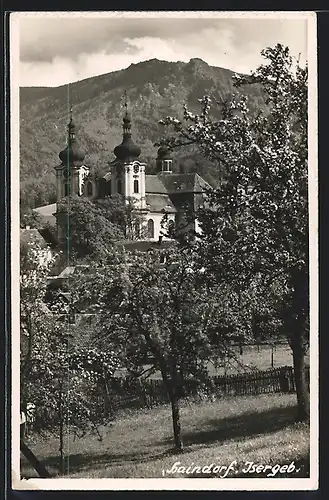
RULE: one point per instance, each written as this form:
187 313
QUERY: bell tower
71 172
164 160
128 173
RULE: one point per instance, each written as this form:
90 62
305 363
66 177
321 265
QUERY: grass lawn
254 358
139 444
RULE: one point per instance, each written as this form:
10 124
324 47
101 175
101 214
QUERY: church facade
163 202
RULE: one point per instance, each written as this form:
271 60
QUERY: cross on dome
72 154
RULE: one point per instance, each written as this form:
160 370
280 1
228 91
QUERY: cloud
42 40
57 51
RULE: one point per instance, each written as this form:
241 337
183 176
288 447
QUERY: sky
57 50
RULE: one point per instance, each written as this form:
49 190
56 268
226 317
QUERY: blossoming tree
158 312
255 224
56 375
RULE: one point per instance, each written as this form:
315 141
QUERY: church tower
128 173
71 172
164 160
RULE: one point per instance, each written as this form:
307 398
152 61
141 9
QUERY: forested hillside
155 89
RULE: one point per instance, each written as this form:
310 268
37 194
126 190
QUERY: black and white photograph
164 250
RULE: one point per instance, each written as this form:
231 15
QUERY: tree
30 219
121 212
34 268
34 193
64 384
85 232
156 308
88 229
255 225
56 375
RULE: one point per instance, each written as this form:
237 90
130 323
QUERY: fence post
150 392
284 380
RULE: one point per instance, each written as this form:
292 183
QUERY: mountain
154 88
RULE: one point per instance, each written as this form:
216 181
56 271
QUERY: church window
110 186
150 228
136 186
66 189
167 166
119 187
89 189
171 227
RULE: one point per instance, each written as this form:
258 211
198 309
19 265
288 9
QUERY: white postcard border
287 484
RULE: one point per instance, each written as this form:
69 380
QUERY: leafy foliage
57 377
122 213
157 309
86 232
88 229
255 225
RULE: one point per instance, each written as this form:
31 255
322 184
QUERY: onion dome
164 153
72 155
127 150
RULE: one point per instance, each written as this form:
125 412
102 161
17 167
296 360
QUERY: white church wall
158 229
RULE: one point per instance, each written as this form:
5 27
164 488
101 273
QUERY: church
175 196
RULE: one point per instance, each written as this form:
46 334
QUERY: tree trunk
300 332
27 360
41 470
61 435
106 397
176 421
61 448
303 398
175 392
171 386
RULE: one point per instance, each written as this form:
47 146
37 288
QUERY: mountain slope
155 89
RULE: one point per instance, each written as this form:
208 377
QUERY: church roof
32 236
159 202
47 213
68 271
146 245
183 183
164 153
72 155
154 185
127 150
175 183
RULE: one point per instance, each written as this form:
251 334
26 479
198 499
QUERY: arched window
136 187
171 227
150 228
119 186
66 189
89 189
